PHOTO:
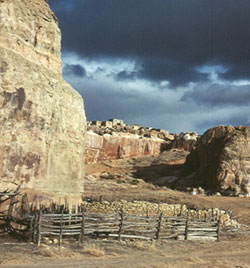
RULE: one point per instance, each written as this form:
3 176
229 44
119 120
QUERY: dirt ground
230 252
122 179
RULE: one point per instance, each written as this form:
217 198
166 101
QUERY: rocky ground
138 179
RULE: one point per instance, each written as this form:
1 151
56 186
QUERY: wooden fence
122 226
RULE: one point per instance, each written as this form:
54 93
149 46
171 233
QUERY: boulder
42 119
185 141
221 159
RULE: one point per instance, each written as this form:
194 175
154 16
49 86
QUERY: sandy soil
169 254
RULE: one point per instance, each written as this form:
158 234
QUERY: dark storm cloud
219 95
104 101
125 75
168 38
74 69
156 69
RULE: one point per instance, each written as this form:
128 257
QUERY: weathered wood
212 234
39 229
190 237
35 227
102 224
186 227
130 236
82 226
31 229
140 231
101 230
61 226
131 225
141 217
181 210
218 229
157 235
203 229
121 225
128 225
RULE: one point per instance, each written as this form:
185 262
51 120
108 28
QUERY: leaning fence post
121 225
218 229
31 229
61 223
158 227
35 227
82 226
11 207
186 227
39 229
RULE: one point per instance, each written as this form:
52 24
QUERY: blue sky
174 64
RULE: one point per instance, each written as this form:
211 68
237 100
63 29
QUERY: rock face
42 120
120 145
185 141
114 139
221 159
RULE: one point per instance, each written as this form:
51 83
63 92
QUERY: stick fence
122 226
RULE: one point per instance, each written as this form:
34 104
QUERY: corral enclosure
120 220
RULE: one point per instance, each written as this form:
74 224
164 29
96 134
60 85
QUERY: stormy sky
174 64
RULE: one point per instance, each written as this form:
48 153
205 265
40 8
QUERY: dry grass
93 250
54 252
142 245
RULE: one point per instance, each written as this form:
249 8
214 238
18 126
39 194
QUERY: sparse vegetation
142 245
93 250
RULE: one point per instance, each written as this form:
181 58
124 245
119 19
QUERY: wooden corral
35 221
123 226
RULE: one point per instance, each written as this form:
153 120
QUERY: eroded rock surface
221 159
120 145
114 139
42 120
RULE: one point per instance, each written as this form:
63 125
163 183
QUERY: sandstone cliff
114 139
42 120
221 159
120 145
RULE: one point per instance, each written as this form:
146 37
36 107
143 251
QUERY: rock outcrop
114 139
42 120
185 141
120 145
221 159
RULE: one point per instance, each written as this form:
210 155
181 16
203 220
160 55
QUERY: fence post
218 229
11 206
39 228
186 227
181 209
82 226
61 223
121 225
35 227
31 228
158 227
